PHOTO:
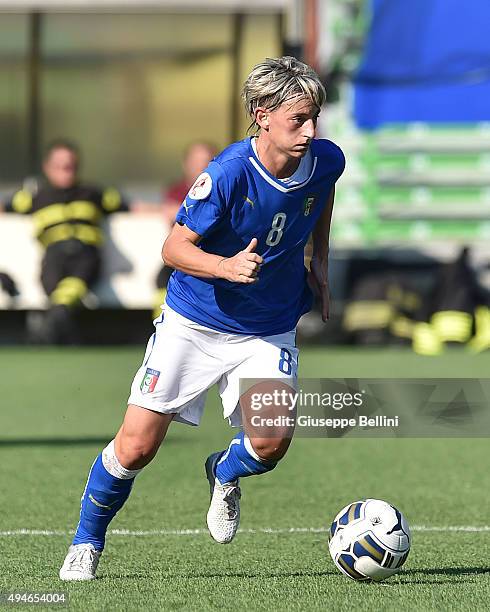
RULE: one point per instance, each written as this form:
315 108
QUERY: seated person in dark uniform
67 215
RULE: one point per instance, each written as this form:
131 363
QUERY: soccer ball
369 540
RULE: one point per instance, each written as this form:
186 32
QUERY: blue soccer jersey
237 199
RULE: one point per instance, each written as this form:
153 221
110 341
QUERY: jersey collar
272 180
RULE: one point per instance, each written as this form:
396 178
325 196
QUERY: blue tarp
425 60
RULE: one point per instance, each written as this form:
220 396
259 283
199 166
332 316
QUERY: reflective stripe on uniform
83 210
88 234
85 233
425 340
159 299
368 314
54 214
69 291
402 327
452 325
481 340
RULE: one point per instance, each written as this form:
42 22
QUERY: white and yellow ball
369 540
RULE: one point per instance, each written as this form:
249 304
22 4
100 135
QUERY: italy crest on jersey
308 205
149 381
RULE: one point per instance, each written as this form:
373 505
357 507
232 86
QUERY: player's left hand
318 281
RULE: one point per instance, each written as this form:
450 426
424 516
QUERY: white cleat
223 515
80 563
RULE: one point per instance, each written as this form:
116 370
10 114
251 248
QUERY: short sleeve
207 201
337 158
340 162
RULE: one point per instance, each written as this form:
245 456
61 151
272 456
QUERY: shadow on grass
225 575
447 575
449 571
87 441
55 441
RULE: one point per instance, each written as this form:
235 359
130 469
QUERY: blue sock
103 497
239 461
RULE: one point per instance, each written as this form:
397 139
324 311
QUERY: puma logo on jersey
186 206
247 200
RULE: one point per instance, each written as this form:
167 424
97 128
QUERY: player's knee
270 449
134 452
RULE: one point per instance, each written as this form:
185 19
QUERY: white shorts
184 359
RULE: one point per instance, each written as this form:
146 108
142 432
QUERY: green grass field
59 407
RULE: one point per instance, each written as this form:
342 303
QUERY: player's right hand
243 267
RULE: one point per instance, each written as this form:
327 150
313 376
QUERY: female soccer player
233 303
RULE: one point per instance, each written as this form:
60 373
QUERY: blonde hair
276 80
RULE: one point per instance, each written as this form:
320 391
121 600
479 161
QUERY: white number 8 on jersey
277 229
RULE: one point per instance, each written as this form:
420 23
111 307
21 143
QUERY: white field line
198 532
